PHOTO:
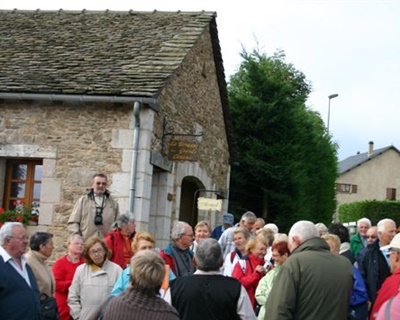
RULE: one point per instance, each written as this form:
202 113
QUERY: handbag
48 307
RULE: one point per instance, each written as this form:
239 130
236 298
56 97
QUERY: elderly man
372 262
247 221
95 212
391 285
359 240
313 283
208 294
177 254
19 293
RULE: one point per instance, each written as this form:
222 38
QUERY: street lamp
332 96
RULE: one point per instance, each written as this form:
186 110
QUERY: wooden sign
179 150
209 204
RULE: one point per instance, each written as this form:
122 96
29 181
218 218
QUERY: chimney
370 148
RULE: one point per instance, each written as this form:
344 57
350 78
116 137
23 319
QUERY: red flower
19 218
1 210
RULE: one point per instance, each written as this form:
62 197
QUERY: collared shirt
244 308
22 272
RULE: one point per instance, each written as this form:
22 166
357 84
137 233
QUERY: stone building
139 96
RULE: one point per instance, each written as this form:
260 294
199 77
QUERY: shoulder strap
233 254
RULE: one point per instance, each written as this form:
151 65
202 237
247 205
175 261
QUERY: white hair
272 226
382 224
6 230
304 230
178 229
363 221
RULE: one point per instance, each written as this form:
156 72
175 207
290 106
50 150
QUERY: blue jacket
18 301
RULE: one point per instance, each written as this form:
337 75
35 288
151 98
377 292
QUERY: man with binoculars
95 212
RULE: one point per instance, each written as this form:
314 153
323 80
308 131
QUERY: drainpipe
135 151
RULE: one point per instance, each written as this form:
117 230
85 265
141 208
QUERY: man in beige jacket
94 213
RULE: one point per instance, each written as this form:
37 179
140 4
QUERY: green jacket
313 284
356 244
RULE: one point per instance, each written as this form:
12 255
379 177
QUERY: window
23 183
346 188
391 193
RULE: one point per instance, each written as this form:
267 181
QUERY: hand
260 269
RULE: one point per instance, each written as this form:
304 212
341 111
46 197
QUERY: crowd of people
246 270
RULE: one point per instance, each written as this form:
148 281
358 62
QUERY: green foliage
372 209
19 214
287 162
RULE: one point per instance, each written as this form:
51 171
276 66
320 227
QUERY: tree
287 162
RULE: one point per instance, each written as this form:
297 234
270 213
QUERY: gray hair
178 229
382 224
364 221
304 230
322 228
147 272
208 255
122 220
6 231
248 216
242 230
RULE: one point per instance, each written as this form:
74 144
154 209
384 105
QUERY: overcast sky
351 48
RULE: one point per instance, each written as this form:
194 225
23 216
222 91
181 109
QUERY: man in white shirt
17 281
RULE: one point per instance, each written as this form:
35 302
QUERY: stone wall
191 99
80 139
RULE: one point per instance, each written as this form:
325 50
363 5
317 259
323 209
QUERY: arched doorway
188 208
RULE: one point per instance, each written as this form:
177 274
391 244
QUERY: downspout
135 152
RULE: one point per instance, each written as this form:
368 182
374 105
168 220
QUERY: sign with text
179 150
209 204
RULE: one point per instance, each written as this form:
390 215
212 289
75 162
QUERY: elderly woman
141 301
250 271
41 248
93 281
143 241
202 230
64 269
119 240
241 236
280 252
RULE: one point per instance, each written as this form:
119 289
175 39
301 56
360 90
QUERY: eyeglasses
372 237
101 183
98 251
23 238
189 235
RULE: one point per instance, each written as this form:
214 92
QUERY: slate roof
97 53
358 159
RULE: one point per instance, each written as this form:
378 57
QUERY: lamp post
332 96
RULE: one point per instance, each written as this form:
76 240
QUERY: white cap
272 226
395 243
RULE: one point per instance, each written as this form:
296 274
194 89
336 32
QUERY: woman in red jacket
119 240
250 271
64 270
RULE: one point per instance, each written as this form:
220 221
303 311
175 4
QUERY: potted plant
19 214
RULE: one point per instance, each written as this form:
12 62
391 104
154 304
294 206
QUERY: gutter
79 98
137 102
